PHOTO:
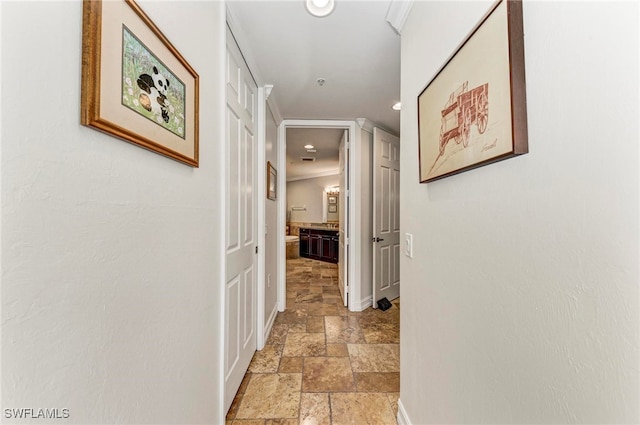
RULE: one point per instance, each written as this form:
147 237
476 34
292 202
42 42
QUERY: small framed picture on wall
272 182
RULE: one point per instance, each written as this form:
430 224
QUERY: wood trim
90 84
515 35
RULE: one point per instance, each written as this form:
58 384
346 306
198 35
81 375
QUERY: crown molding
398 13
365 124
368 126
314 175
273 105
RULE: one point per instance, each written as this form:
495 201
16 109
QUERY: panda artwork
154 93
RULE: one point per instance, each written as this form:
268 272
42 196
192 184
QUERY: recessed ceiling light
396 106
309 146
320 8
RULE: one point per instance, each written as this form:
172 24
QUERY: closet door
241 216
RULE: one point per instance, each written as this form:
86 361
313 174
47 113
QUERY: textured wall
308 192
521 302
366 221
271 220
111 254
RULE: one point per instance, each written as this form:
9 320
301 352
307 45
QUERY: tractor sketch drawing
463 109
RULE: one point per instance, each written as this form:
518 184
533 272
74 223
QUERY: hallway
322 364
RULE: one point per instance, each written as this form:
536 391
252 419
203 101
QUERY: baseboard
363 304
403 418
269 324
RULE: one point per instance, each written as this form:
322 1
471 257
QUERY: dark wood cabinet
304 243
319 244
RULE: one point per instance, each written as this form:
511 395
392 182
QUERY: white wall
521 302
111 254
366 221
309 192
271 220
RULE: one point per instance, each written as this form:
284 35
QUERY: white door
343 216
386 216
241 244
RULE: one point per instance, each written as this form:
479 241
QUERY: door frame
355 208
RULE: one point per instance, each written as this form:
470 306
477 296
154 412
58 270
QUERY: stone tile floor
322 364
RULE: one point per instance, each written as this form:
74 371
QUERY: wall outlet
408 245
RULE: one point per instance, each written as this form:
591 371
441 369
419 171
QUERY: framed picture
135 84
272 182
473 112
333 208
333 199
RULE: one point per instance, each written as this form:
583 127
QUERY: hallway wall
310 193
271 220
366 219
521 302
111 254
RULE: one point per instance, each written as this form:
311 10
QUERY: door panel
240 193
386 216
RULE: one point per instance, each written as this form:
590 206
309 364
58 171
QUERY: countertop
320 228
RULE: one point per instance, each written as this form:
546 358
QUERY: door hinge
346 289
348 144
256 249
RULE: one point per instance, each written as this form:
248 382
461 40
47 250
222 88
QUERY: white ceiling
326 142
354 49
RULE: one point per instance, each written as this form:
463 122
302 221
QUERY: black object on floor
384 304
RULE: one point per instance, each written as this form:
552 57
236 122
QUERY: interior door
343 217
241 245
386 216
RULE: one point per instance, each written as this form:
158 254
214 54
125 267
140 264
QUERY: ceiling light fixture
309 146
396 106
320 8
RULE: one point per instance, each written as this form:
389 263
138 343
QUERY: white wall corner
364 304
273 106
271 321
261 131
398 13
403 418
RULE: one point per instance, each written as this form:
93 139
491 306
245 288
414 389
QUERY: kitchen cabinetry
319 244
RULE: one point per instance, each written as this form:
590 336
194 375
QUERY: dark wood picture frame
473 111
272 182
137 108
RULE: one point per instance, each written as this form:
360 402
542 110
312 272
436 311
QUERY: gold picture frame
135 84
473 112
272 182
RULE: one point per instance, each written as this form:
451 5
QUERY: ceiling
325 141
354 49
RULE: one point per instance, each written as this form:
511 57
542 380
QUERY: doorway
333 193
